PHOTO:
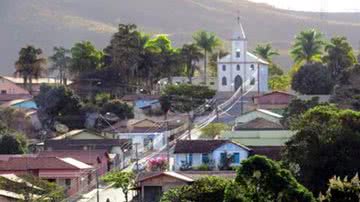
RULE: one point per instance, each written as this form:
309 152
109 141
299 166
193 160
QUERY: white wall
229 149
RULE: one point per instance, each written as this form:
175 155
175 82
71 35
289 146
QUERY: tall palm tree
266 51
191 54
61 63
30 65
340 55
308 47
208 42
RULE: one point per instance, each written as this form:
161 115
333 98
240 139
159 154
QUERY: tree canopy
308 47
123 180
208 42
213 129
30 65
313 79
85 57
59 103
325 144
340 56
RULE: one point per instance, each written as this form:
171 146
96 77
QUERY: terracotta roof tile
259 123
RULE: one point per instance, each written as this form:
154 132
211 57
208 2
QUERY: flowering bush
157 164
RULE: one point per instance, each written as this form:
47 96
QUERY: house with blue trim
214 154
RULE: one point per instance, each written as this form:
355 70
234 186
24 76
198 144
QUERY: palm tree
340 55
191 55
266 51
208 42
29 65
308 47
61 63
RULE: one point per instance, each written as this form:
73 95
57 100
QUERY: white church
241 69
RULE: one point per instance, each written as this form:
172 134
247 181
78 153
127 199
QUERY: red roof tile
35 163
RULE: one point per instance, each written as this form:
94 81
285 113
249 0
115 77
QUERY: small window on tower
238 53
224 81
224 67
252 67
252 82
238 67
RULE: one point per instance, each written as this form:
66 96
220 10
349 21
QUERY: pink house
11 91
70 173
101 160
273 100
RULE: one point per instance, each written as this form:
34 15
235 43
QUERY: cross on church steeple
239 33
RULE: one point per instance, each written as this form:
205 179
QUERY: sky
315 5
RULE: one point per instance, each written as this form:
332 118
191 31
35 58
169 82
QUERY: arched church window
224 81
238 53
252 82
252 67
238 67
224 67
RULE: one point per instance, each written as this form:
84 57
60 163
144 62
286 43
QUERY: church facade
240 68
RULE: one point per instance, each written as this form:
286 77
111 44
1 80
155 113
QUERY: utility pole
137 157
241 100
168 144
97 186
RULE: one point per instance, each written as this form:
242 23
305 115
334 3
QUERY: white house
241 68
190 154
144 134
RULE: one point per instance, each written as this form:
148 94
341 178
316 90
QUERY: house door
152 193
238 82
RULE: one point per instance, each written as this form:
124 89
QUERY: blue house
190 154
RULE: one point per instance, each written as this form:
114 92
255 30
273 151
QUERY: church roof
250 58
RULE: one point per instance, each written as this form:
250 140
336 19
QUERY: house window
67 183
252 82
224 67
205 158
235 158
3 92
224 81
89 179
238 53
190 159
252 67
238 67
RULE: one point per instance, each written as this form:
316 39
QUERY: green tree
263 180
347 91
170 59
213 129
313 79
61 62
30 65
340 56
123 180
346 190
122 110
308 47
280 82
207 189
59 104
325 144
296 109
13 144
186 98
191 55
208 42
266 52
85 58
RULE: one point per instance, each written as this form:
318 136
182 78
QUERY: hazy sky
316 5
